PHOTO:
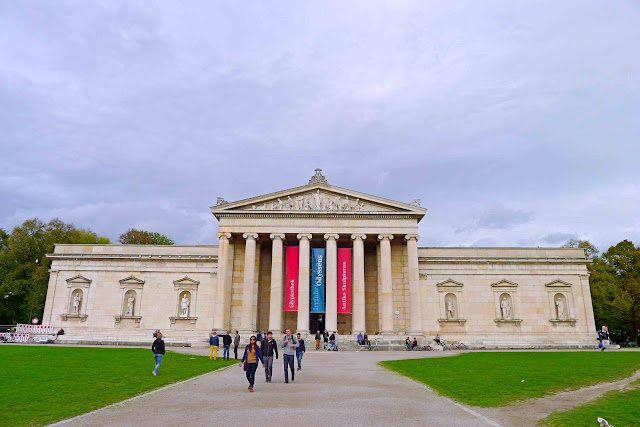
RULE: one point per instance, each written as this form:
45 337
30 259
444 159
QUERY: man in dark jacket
269 346
158 351
226 342
300 351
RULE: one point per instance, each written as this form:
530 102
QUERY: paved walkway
342 388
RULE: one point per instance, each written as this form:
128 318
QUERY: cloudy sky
516 123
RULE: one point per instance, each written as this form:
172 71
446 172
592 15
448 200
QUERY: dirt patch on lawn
529 412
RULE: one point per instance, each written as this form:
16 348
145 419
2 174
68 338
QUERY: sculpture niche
77 300
451 307
505 307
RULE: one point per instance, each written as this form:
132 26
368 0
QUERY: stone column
414 285
275 306
358 315
221 280
248 309
303 284
331 306
386 288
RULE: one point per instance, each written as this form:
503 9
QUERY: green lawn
501 378
42 384
619 408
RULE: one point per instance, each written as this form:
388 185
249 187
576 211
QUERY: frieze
314 201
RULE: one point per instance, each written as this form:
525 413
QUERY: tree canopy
615 287
24 268
141 237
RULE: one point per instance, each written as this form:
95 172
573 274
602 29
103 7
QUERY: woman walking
250 359
158 350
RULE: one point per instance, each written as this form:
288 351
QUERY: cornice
318 214
140 257
501 260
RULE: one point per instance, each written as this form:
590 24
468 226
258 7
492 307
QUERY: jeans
299 357
235 351
288 362
214 352
335 345
251 373
225 354
268 367
158 358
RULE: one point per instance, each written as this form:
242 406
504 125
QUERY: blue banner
317 280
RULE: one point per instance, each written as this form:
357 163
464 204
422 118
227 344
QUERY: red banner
344 280
291 285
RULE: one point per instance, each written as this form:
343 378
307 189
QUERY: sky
515 123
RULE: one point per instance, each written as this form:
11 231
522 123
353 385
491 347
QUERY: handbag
244 366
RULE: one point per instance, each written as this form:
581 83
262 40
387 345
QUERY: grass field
42 384
500 378
619 408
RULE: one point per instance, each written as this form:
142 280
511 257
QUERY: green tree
24 268
590 250
624 261
141 237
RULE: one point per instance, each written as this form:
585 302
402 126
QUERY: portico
318 215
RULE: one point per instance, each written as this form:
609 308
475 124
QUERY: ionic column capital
304 236
358 237
225 235
331 236
250 236
276 236
385 237
408 237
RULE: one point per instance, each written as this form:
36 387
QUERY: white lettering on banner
318 278
292 290
343 298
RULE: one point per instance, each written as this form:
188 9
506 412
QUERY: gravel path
342 388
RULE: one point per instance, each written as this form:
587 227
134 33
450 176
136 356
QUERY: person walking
236 343
407 343
335 341
300 350
259 337
158 351
226 343
318 338
332 340
250 359
289 345
325 336
269 346
214 342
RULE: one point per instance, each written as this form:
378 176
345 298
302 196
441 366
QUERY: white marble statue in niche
184 306
77 300
505 307
450 303
130 305
560 307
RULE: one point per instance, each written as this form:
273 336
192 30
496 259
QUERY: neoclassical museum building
321 257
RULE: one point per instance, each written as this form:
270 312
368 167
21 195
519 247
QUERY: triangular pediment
504 283
131 280
79 279
318 198
558 284
449 283
186 281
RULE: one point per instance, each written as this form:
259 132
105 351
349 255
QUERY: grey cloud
558 238
502 217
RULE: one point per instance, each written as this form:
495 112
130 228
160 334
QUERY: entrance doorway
316 322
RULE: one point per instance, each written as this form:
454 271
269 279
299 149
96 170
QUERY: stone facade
485 297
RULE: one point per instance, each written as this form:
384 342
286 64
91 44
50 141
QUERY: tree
24 268
141 237
624 262
590 250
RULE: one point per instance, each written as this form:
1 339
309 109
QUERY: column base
416 334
